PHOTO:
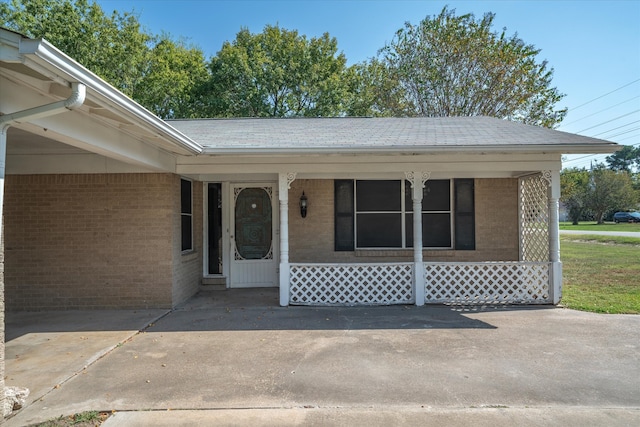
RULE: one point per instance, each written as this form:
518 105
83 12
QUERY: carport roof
367 135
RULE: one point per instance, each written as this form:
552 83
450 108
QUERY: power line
608 121
602 96
616 128
601 111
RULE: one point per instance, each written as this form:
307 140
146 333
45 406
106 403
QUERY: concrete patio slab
239 351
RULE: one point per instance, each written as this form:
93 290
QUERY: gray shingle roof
311 135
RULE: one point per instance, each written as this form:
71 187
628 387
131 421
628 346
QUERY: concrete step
214 283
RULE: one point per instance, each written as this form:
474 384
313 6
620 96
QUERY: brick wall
311 239
90 241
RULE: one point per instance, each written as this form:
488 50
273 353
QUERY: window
379 214
186 214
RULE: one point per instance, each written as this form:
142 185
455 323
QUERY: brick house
108 206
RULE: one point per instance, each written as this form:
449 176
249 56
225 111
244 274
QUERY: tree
574 184
276 73
174 73
624 159
610 191
114 47
373 90
452 65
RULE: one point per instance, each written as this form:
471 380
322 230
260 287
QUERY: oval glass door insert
253 225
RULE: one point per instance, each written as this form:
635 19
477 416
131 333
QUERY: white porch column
417 180
555 285
284 184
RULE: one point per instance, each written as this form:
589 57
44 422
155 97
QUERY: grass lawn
607 226
601 277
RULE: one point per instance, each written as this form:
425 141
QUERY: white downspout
76 99
78 95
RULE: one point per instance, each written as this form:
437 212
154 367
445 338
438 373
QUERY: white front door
254 244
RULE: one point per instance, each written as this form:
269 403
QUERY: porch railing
511 282
487 282
351 284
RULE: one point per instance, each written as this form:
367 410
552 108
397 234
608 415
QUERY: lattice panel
534 218
487 283
350 284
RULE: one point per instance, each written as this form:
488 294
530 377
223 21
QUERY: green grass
84 419
607 226
601 277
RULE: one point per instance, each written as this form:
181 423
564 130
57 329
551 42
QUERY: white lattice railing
487 282
534 218
351 284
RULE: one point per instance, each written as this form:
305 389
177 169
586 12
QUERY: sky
593 46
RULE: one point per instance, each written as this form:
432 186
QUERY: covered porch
535 277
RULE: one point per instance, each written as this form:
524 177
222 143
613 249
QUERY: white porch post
284 184
555 285
417 180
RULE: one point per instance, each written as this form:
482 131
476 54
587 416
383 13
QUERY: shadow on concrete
251 310
18 324
258 309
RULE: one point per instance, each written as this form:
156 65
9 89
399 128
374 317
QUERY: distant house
108 206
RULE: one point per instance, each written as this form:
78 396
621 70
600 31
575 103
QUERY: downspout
78 95
76 99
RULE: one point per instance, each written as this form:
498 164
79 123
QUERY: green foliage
624 159
446 65
276 73
374 90
452 65
173 75
610 191
114 47
598 192
574 185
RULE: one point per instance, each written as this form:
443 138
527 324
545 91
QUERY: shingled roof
349 134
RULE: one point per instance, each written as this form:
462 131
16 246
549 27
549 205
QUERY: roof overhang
37 64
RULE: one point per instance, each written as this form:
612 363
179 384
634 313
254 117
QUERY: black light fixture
303 205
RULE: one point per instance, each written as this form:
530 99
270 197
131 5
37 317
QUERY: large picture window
379 214
186 214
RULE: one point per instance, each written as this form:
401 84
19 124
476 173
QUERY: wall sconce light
303 205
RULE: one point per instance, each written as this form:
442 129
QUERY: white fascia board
78 132
500 149
45 54
479 167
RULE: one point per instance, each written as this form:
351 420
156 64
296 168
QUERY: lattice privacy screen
347 284
534 218
487 283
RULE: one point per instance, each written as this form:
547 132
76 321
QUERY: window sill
445 252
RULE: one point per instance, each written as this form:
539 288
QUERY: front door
254 247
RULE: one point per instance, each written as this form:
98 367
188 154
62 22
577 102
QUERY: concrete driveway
635 234
236 358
